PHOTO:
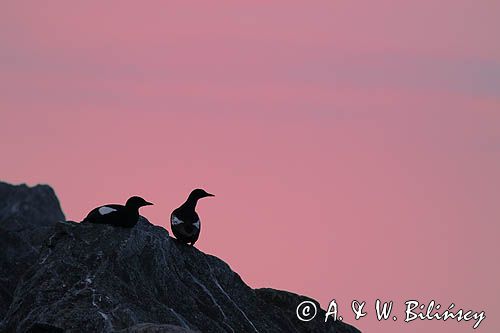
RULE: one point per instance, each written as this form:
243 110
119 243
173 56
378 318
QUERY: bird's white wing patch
106 210
197 224
175 220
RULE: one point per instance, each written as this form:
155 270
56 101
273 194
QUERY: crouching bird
118 215
184 220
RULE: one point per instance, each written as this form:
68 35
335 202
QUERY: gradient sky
353 147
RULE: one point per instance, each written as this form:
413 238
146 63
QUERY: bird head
137 202
199 193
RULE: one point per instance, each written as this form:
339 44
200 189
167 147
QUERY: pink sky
353 147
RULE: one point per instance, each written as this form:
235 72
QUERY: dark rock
99 278
44 328
156 328
27 215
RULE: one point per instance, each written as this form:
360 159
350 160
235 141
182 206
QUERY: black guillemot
184 220
118 215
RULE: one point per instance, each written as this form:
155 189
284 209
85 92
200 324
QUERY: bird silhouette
184 220
118 215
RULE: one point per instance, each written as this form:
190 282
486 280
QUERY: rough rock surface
98 278
26 218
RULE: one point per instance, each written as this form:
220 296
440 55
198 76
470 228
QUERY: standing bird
118 215
184 220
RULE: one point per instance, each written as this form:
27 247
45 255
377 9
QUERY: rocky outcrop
27 216
98 278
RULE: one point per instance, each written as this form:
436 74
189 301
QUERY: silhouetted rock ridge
99 278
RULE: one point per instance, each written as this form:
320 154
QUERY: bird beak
148 204
210 195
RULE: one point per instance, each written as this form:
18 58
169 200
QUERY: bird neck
191 203
132 209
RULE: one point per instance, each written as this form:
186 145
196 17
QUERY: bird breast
177 221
